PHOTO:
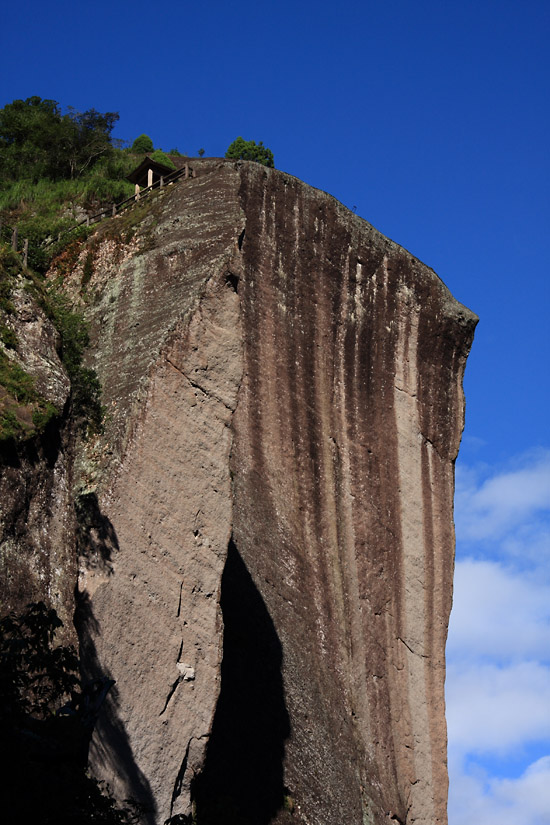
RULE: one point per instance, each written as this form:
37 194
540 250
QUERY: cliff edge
265 526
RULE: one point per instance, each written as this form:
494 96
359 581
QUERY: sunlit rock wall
284 401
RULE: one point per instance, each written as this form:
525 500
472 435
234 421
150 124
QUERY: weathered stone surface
284 406
169 353
347 426
37 550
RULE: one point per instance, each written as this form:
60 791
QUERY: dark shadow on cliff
96 536
242 780
42 448
110 746
47 717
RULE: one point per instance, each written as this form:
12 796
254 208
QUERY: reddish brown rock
282 380
347 426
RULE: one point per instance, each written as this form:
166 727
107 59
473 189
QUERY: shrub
250 150
161 157
142 145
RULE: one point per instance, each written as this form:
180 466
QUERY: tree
142 145
163 158
37 141
87 137
250 150
34 675
30 138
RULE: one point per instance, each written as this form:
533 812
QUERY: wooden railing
110 211
117 208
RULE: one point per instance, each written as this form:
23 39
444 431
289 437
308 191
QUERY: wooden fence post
161 181
14 239
113 213
25 252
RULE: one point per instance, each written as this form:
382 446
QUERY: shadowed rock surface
282 380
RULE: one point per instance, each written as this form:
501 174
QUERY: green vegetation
55 168
23 411
8 337
250 150
85 386
37 141
43 210
142 145
160 157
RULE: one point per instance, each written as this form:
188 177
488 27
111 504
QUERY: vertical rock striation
283 381
346 430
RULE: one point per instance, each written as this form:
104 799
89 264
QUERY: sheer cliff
265 527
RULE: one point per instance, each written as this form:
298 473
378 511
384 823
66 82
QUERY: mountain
264 526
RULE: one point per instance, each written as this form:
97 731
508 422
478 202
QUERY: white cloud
498 613
475 800
498 654
493 709
489 508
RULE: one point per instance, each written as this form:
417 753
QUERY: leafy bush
8 336
85 385
160 157
250 150
18 383
19 386
37 141
142 145
34 675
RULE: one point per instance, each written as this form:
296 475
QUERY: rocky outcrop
347 425
265 527
37 526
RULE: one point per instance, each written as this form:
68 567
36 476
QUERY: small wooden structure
150 173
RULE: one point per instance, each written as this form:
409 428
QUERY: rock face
37 525
347 425
266 534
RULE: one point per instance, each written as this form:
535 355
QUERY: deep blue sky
431 118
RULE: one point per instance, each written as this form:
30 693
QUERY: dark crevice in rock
414 652
179 778
232 281
197 386
170 694
242 779
241 239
